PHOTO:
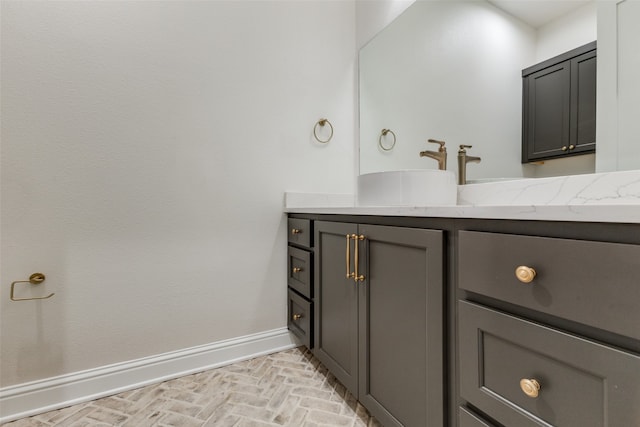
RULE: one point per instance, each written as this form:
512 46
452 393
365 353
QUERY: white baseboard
24 400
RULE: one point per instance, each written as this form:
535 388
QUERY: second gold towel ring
384 132
323 122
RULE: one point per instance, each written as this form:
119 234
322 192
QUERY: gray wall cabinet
559 106
381 332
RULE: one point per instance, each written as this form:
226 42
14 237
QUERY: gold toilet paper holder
34 279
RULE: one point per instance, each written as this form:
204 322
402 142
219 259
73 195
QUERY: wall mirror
452 70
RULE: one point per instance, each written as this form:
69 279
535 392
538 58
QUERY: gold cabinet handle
525 274
297 316
357 277
571 147
564 148
530 387
34 279
296 231
350 275
297 269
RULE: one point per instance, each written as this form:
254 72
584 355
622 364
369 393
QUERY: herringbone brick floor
290 388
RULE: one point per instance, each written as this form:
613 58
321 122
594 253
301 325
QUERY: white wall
374 15
567 32
146 147
618 86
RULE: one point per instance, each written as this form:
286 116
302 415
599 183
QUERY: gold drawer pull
297 316
564 148
296 231
530 387
525 274
571 147
297 269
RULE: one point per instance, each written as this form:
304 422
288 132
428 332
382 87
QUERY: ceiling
538 12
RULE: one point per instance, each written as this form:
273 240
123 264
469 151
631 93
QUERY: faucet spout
463 159
440 155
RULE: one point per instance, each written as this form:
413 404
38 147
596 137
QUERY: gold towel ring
322 122
384 132
34 279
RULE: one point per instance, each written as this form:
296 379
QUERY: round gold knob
564 148
530 387
571 147
296 231
297 316
297 269
525 274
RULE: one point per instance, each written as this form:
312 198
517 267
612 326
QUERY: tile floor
290 388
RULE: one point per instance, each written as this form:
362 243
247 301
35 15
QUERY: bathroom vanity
434 317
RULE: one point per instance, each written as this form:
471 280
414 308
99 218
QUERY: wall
146 147
373 16
567 32
618 86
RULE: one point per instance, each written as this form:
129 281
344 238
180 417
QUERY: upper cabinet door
583 103
547 100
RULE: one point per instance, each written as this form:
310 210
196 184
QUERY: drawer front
300 232
582 383
593 283
300 318
299 275
467 419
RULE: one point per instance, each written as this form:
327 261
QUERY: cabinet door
401 348
583 103
336 304
546 117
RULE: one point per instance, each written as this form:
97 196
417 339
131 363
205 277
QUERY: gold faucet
440 155
463 159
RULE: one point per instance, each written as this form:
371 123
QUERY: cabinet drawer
300 318
299 275
300 232
467 419
593 283
582 383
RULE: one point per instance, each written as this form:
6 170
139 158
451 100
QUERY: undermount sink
415 187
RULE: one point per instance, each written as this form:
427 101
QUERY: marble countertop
605 197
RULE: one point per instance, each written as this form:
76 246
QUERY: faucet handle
435 141
462 148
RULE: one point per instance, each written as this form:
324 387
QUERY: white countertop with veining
604 197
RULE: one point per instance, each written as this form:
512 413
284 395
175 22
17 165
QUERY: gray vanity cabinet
381 332
300 279
529 306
